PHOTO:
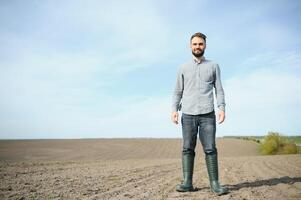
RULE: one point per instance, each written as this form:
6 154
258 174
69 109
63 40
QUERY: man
193 95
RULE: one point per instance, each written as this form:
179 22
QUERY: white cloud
135 117
116 37
267 98
280 61
149 117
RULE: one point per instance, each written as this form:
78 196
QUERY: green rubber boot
187 166
212 167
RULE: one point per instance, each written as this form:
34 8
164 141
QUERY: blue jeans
205 125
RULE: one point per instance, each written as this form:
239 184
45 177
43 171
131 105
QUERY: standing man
193 95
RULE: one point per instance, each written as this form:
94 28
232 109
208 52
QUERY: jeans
205 125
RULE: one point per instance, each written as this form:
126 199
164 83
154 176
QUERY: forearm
220 99
178 92
177 96
219 91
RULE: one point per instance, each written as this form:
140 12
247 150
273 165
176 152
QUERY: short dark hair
200 35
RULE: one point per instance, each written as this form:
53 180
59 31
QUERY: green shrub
289 148
269 147
274 143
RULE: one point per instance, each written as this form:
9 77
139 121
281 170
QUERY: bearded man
193 95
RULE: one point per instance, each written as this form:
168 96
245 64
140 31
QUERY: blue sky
86 69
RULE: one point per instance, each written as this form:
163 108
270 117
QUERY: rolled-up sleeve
219 91
178 91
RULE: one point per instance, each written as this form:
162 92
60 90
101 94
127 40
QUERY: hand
221 116
174 117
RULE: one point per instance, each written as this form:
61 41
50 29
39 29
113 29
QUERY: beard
198 54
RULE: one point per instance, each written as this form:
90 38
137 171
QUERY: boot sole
190 190
219 194
185 189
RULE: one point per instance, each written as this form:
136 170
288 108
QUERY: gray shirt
193 92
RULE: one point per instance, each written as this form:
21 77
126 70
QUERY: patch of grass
256 139
296 139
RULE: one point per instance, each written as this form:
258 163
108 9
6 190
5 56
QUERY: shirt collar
198 61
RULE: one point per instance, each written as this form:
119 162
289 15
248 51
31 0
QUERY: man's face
198 46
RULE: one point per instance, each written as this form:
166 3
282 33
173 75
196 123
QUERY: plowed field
139 169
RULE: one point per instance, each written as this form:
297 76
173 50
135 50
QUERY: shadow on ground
267 182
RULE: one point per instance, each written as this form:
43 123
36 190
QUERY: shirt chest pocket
207 76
